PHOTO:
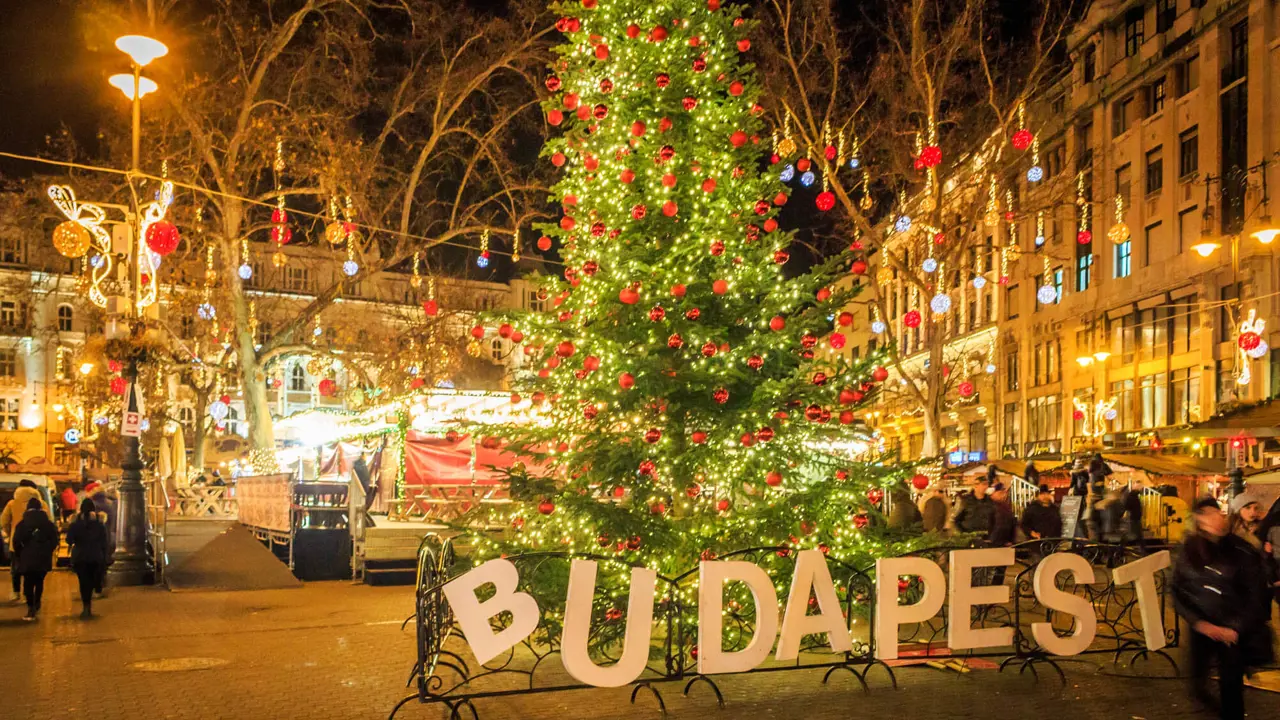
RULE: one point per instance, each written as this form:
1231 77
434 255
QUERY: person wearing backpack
87 537
35 540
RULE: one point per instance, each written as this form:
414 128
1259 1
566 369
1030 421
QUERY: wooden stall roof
1015 467
1168 464
1258 420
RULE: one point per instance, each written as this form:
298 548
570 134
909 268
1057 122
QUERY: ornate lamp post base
132 565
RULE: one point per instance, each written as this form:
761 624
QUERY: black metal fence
445 674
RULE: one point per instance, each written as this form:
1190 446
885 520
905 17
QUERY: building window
233 422
1123 252
1044 418
1011 370
297 379
1184 396
8 363
1237 65
1155 170
1123 331
1133 29
1056 277
1123 183
1011 302
9 407
1153 332
1121 116
1037 365
1166 13
1151 241
297 279
1012 425
1153 394
8 314
533 302
12 250
186 415
978 436
1189 152
1084 267
1122 391
1156 103
1188 74
1090 62
1058 105
495 350
1188 228
1186 324
66 316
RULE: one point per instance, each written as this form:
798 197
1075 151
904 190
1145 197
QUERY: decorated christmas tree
687 398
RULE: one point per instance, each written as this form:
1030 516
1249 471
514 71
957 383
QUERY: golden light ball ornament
415 281
278 258
71 239
474 349
786 146
884 276
991 219
335 232
1118 233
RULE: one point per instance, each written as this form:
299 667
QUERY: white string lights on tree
1083 235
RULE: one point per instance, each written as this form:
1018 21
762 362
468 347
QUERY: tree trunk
253 386
201 431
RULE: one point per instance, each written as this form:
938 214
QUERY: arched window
297 379
66 318
495 350
186 415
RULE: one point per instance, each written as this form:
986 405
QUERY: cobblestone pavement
336 650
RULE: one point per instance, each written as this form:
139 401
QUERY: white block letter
1047 592
577 627
961 634
889 614
1142 573
712 658
812 572
473 616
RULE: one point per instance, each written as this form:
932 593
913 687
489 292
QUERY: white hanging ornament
218 410
929 265
940 303
902 224
1259 351
979 282
878 327
1047 294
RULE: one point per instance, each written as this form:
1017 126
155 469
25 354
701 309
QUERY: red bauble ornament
692 314
807 341
880 374
738 138
777 323
823 295
118 385
431 307
670 208
1248 340
803 164
825 200
689 103
1022 139
546 507
720 287
859 267
720 395
652 435
920 482
781 257
722 505
633 31
658 34
875 495
813 413
678 290
1077 415
1084 237
591 363
755 362
662 80
626 176
698 437
911 319
162 237
658 508
847 396
656 313
515 398
477 332
590 412
747 440
634 543
675 342
845 319
553 83
717 248
860 520
544 243
966 389
628 296
505 330
837 340
744 45
773 479
626 381
709 185
555 117
565 349
602 52
736 87
931 156
846 417
819 378
646 468
709 349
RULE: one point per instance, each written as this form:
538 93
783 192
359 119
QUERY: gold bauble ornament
928 205
992 218
884 276
415 281
1118 233
474 349
71 239
866 202
278 259
211 276
786 147
335 233
316 367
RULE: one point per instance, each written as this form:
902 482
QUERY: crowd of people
30 532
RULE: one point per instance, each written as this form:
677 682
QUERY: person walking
106 508
67 502
1042 518
87 537
975 509
1217 583
9 519
1004 526
936 510
1095 503
35 540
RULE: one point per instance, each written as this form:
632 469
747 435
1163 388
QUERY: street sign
131 423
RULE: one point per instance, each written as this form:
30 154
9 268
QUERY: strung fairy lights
280 232
245 271
482 260
1035 173
1119 232
1083 235
1040 228
416 280
515 246
991 218
1093 418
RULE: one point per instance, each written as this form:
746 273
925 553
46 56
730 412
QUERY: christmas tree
689 401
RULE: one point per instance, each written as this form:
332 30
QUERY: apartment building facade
1166 113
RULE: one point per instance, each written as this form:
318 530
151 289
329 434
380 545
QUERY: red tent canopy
435 460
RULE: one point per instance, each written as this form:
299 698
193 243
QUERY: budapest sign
811 576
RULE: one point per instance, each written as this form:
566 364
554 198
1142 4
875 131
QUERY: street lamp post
131 563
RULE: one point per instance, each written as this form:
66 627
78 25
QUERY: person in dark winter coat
87 537
904 515
975 508
1095 505
936 511
35 539
1079 478
1217 586
1004 526
107 507
1041 518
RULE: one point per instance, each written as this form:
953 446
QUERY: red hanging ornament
773 479
720 287
720 395
777 323
565 349
656 313
709 349
845 319
675 342
118 385
920 481
875 495
1084 237
738 138
546 507
966 389
859 267
626 381
931 156
628 296
781 257
813 413
755 362
837 340
825 200
911 319
1248 340
162 237
1022 139
698 437
692 314
880 374
646 468
652 435
823 294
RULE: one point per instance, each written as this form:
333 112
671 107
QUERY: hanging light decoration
807 178
788 173
1119 232
940 303
482 260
